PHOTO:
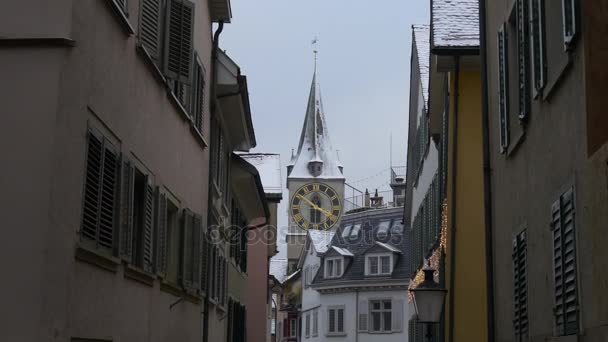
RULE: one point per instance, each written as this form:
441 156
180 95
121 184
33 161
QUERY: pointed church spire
316 156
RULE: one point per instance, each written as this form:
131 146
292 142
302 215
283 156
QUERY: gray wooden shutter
397 315
92 186
363 315
186 273
523 59
520 289
503 88
564 258
109 185
150 27
178 40
198 96
148 228
126 211
161 234
197 222
537 32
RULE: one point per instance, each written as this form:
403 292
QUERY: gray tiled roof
422 44
367 241
455 23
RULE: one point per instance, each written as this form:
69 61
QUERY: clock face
316 206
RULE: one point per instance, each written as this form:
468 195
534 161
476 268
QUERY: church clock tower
314 179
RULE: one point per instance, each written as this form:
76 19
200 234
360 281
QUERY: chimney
366 204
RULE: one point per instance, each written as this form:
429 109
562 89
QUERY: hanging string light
434 261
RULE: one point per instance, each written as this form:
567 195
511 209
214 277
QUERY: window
198 96
397 228
381 315
100 192
564 263
354 232
137 210
569 9
379 264
383 228
503 88
335 317
307 326
537 32
520 290
523 53
168 259
191 242
315 323
293 328
333 267
346 231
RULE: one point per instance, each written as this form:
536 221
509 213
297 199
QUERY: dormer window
346 231
354 231
383 228
315 167
397 228
333 267
379 264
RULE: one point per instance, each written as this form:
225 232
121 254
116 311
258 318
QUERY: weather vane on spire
315 50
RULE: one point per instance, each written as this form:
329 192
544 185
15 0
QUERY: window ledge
178 291
198 136
335 334
150 62
121 16
97 258
37 41
570 338
516 143
552 85
139 275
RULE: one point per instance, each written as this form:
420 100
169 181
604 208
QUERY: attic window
383 228
346 231
379 264
397 228
354 232
333 267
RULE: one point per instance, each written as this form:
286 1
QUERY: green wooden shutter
178 40
198 96
565 271
197 223
148 228
503 88
520 288
150 27
161 234
92 187
126 210
537 32
523 53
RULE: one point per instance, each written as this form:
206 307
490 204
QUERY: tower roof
315 145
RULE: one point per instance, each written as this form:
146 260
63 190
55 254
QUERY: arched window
315 213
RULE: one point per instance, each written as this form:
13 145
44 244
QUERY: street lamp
428 300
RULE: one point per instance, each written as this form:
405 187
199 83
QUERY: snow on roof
388 247
315 144
321 239
278 268
269 167
455 23
422 44
343 251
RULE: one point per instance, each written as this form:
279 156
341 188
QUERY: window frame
381 311
382 229
334 274
293 327
378 257
354 231
346 231
307 325
336 309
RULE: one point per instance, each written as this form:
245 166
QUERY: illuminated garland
435 259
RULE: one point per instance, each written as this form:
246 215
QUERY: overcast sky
364 59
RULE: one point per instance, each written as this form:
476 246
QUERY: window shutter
161 233
411 330
564 257
537 32
178 40
150 27
397 316
186 274
198 97
520 291
363 315
523 58
148 236
205 264
92 188
126 234
196 252
503 88
107 217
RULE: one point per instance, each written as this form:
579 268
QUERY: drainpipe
212 92
357 315
487 174
453 195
